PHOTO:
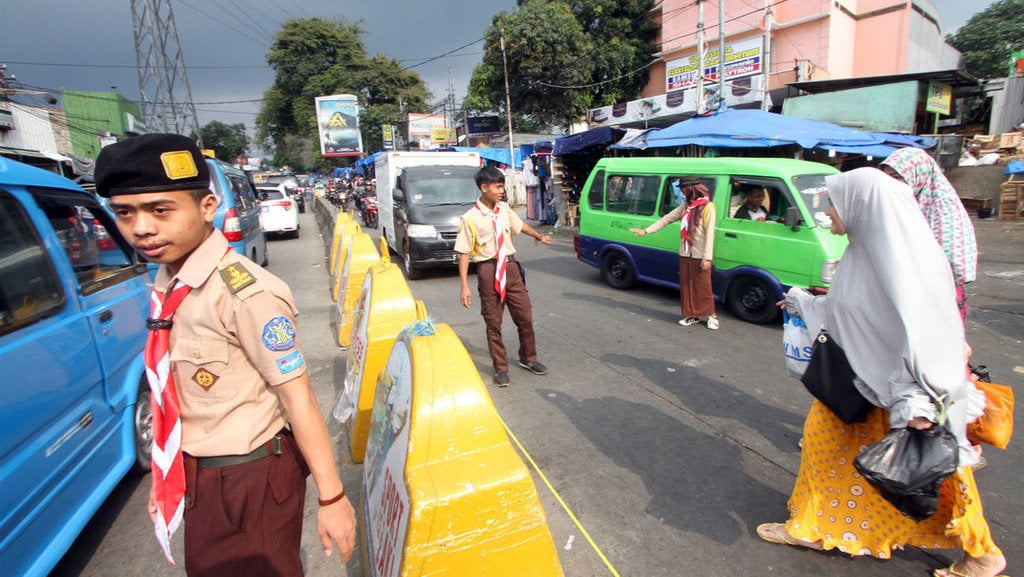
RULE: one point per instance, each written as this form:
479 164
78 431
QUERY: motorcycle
370 211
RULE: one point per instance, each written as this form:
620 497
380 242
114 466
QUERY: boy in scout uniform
485 238
237 428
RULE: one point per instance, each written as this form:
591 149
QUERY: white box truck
421 195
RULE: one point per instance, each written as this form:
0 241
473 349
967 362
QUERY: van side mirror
398 195
793 218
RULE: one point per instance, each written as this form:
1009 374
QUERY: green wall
884 108
94 114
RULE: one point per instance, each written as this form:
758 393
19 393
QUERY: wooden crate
1011 200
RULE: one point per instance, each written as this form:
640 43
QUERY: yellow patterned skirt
831 502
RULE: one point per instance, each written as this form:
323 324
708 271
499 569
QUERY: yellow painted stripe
558 497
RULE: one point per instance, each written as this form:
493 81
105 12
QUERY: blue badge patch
290 362
278 334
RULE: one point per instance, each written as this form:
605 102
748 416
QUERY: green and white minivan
754 262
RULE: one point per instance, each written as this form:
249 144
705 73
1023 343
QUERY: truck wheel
142 423
616 271
752 300
411 271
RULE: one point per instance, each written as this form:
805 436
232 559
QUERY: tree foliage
565 57
316 57
989 37
228 141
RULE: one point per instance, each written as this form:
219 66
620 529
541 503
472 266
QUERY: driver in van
753 205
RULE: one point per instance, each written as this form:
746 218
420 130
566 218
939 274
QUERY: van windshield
815 196
441 187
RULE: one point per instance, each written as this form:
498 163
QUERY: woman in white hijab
892 308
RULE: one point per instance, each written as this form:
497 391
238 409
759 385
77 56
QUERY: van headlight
421 231
828 270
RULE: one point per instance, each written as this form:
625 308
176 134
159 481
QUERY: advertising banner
482 126
423 124
742 58
443 136
337 119
389 136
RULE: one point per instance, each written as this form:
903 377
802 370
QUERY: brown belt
271 447
509 258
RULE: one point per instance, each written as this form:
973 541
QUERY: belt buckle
275 445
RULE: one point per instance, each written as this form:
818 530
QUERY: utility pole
766 61
721 54
508 110
700 56
164 90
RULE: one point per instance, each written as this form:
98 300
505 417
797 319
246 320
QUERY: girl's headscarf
892 304
697 196
938 200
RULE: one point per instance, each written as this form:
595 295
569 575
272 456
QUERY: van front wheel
142 425
752 300
617 271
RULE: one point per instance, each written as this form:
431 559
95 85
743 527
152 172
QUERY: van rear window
632 193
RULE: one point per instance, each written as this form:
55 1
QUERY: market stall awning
577 143
755 129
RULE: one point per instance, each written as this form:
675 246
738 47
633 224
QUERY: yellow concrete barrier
360 254
444 492
347 229
339 221
385 307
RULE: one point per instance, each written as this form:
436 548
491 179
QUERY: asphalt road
669 445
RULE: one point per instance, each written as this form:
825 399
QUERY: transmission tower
166 96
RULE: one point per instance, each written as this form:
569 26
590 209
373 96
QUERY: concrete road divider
360 254
339 229
385 306
345 232
444 492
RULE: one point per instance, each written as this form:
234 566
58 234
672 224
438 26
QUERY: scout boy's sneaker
534 367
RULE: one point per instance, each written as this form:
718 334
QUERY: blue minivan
238 211
75 413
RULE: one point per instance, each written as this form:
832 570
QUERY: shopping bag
829 378
995 425
797 343
907 467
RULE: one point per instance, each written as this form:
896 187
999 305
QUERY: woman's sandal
776 533
951 572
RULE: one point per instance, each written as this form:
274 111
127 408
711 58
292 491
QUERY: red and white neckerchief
684 223
502 257
168 467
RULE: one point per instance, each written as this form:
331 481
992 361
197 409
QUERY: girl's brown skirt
695 289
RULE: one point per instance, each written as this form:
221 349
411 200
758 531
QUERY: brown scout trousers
246 519
492 309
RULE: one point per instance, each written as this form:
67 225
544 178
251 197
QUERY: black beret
150 163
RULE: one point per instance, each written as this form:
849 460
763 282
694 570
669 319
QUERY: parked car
279 213
238 211
74 401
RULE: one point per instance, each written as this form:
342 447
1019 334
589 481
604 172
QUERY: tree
317 57
989 37
228 141
565 57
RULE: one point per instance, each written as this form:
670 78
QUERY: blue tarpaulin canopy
493 154
751 128
1014 167
576 143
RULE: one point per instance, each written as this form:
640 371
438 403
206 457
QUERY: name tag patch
290 362
279 334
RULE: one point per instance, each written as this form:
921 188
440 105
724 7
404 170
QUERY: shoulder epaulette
237 278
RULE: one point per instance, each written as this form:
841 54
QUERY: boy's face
492 192
165 227
755 199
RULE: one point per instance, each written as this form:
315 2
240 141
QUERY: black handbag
829 378
907 467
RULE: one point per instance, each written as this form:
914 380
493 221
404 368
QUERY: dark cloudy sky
89 44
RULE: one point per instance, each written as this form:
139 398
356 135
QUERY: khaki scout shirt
476 232
233 339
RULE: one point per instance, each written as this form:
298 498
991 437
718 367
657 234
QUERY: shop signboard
940 97
742 58
388 132
478 126
338 123
443 136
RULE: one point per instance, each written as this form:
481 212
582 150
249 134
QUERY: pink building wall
813 39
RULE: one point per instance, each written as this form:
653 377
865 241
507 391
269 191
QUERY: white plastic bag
797 342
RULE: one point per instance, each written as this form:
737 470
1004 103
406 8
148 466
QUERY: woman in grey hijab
892 308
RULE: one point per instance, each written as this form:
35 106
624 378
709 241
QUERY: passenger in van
753 205
616 187
892 305
234 414
696 246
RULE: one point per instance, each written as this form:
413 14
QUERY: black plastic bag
829 378
907 467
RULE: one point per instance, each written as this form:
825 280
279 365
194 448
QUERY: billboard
337 119
742 58
482 126
424 124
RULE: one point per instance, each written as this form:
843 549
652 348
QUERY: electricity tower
166 96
